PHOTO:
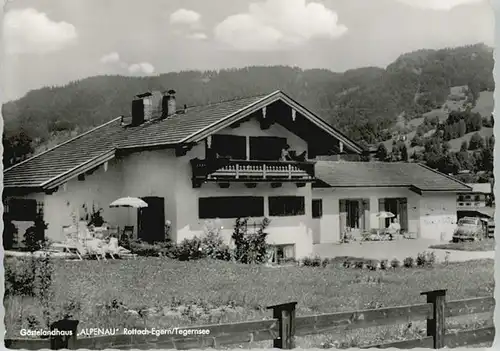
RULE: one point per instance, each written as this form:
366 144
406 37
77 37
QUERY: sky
53 42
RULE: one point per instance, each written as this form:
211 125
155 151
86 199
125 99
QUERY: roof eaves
444 175
64 143
63 177
146 146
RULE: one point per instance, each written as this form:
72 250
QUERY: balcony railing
252 171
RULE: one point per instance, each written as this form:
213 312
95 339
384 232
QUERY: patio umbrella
384 214
129 202
133 202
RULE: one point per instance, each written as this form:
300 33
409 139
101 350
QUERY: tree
404 153
464 146
381 152
462 128
476 142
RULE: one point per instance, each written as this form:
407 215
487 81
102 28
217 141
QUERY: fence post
58 342
436 327
285 314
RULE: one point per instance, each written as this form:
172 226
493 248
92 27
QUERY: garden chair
96 247
113 248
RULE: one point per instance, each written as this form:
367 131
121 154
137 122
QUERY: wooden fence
285 326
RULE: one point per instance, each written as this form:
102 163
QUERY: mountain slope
363 102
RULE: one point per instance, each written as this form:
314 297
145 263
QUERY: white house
223 160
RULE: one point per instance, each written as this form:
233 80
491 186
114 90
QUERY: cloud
30 31
113 57
141 68
183 16
197 36
439 5
274 23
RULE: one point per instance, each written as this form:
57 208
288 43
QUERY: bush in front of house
409 262
315 261
34 237
384 264
250 248
142 248
211 245
426 259
395 263
9 233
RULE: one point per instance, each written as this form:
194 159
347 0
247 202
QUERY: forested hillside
365 103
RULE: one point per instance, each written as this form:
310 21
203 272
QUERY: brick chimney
168 103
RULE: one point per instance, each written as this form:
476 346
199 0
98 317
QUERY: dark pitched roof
381 174
72 154
54 166
176 128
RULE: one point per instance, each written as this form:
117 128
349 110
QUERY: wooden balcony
251 172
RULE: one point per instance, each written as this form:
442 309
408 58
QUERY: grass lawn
100 293
484 245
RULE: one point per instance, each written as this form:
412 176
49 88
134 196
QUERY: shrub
312 261
31 276
384 264
19 276
145 249
9 233
373 265
426 259
95 218
212 243
395 263
408 262
189 249
359 264
250 248
34 236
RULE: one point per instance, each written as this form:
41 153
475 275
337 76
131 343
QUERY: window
317 208
266 148
286 206
281 253
230 207
23 209
460 198
232 146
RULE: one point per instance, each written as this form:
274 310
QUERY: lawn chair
96 247
113 248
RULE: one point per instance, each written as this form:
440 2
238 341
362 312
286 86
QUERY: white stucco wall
438 215
151 173
329 225
99 189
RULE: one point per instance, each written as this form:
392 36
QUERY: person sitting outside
394 228
285 153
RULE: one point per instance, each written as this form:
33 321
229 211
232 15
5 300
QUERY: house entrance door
151 220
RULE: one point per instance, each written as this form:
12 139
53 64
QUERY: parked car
470 229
